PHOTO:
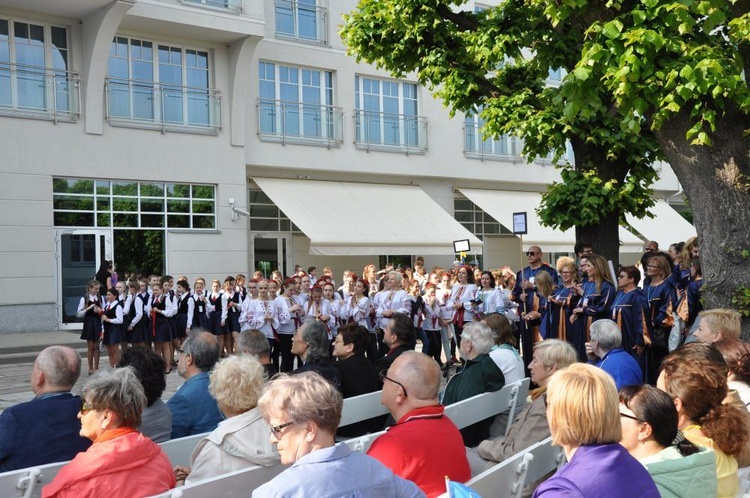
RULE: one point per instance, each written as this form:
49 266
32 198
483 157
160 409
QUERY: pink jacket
127 466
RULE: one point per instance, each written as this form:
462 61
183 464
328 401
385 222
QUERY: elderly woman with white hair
304 411
241 440
480 374
122 461
605 350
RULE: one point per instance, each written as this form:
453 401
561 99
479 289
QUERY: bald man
45 429
424 446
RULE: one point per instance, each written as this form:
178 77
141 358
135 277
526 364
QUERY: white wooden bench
239 483
509 477
362 407
28 482
179 450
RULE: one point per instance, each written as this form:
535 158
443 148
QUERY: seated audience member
718 324
424 445
695 376
530 426
45 429
504 352
156 419
584 419
649 432
605 351
736 354
194 410
303 411
254 342
122 461
310 342
399 335
358 375
241 440
479 375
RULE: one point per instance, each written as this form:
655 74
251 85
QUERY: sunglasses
85 407
531 253
276 429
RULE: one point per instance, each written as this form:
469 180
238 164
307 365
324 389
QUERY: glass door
79 254
271 252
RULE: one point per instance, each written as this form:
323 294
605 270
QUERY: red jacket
424 447
127 466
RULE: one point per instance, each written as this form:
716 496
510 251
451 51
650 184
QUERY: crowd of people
647 414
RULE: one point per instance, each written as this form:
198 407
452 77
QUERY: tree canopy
646 79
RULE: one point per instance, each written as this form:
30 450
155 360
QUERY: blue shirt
622 367
336 472
194 410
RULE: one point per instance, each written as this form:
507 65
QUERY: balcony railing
301 21
390 132
39 92
230 5
297 122
503 148
146 104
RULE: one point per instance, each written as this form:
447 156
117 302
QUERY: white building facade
215 137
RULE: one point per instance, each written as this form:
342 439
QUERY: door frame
103 251
282 240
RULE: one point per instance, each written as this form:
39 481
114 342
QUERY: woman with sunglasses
121 458
304 411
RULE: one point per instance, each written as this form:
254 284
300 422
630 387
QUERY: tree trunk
604 237
716 181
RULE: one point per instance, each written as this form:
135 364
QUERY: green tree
646 80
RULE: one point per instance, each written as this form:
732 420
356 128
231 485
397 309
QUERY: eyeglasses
85 407
276 429
631 417
383 377
181 351
622 276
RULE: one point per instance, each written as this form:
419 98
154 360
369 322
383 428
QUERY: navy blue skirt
92 328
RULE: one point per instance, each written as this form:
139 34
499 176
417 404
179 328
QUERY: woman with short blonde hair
583 410
241 440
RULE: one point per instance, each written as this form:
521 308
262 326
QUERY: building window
34 77
475 146
296 105
386 116
502 148
266 217
131 204
302 20
161 86
475 220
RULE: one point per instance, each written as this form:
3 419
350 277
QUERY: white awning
501 204
666 227
347 219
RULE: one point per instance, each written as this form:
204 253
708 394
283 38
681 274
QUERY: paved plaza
17 353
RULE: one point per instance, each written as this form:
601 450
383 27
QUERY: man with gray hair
424 446
605 351
45 429
194 410
254 342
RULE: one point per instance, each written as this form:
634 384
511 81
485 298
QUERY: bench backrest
477 408
509 477
179 450
28 483
234 484
362 407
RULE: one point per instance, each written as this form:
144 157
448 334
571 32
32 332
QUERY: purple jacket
603 470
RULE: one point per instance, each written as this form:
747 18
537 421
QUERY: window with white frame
296 104
386 114
34 70
84 202
475 144
302 20
160 84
